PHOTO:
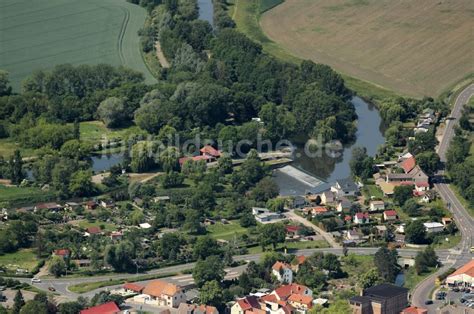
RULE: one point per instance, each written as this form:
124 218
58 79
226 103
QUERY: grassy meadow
414 48
41 34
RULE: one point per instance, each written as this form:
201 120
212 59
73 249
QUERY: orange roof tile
302 299
408 164
157 288
279 265
467 269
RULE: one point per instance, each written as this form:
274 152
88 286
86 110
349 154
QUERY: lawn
19 195
372 190
96 131
246 14
108 227
415 48
226 231
41 34
25 259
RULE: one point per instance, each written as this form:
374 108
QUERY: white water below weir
301 176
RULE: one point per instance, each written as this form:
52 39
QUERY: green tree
120 256
402 193
428 162
112 112
386 262
207 270
16 164
211 293
206 246
425 259
361 164
34 307
271 234
70 308
415 232
411 207
18 302
5 88
265 189
81 183
225 164
57 266
370 278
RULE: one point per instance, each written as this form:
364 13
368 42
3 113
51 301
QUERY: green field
41 34
18 196
24 259
226 231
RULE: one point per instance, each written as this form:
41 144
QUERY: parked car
51 289
428 302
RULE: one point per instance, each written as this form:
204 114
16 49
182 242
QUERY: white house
162 293
361 218
432 227
377 205
282 272
390 215
345 187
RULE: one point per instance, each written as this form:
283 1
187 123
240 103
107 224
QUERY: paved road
463 219
61 284
328 237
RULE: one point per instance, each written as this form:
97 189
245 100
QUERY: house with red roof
292 230
422 186
185 308
132 288
63 253
361 218
408 164
390 215
283 272
300 302
210 151
92 230
297 262
283 292
247 305
106 308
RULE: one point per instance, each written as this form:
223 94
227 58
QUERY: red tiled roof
283 292
93 230
133 287
414 310
279 265
209 150
347 218
320 209
408 164
362 215
106 308
292 228
62 252
302 299
300 259
422 184
390 213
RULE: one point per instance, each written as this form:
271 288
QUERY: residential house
354 235
247 305
90 205
63 253
319 211
162 293
390 215
283 272
345 187
446 221
381 230
80 263
48 206
298 202
421 187
418 175
404 156
292 231
297 262
95 230
72 205
160 199
259 210
300 302
327 198
408 164
376 205
210 151
429 196
107 204
383 298
106 308
144 225
132 288
361 218
116 235
185 308
433 227
343 205
271 305
284 292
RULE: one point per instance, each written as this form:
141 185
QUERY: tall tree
387 265
18 302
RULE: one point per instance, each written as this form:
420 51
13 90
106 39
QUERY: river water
206 11
329 168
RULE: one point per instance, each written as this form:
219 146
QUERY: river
369 135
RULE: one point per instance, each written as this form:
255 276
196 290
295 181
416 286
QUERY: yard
24 259
107 227
415 48
41 34
226 231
